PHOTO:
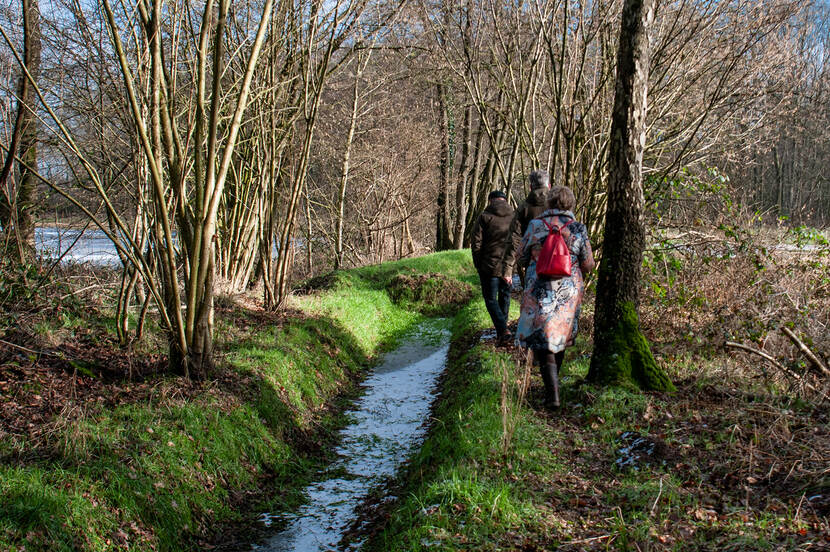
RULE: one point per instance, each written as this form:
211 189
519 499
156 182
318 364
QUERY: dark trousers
496 294
544 357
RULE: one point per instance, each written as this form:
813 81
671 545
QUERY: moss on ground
162 464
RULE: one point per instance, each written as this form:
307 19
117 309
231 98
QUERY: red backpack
555 259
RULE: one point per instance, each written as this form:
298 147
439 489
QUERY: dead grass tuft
714 290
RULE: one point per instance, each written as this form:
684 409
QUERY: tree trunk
309 241
621 352
443 240
28 139
17 198
344 172
463 175
473 184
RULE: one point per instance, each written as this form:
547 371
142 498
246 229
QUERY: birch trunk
344 172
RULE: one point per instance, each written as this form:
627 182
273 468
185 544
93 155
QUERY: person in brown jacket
534 205
490 237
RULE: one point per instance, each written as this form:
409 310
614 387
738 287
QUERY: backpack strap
552 226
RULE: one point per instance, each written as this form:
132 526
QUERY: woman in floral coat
549 319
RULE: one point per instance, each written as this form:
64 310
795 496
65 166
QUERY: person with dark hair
532 207
490 236
549 318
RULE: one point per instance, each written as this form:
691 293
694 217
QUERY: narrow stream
386 424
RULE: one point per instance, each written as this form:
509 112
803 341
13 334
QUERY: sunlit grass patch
169 467
461 488
712 476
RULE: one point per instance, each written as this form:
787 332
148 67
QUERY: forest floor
737 459
710 467
103 449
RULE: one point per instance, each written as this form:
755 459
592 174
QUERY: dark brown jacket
490 238
535 204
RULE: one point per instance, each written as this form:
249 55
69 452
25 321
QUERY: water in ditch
387 423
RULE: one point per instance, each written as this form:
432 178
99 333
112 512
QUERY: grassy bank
160 463
722 464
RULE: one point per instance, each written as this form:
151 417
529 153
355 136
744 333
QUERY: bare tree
340 215
621 353
187 175
17 190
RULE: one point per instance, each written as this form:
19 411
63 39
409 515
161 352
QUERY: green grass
166 471
462 490
558 487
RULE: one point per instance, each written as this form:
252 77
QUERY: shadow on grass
163 463
37 509
319 356
189 464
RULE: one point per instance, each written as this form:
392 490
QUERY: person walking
533 206
490 237
549 318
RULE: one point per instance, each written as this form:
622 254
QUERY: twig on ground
26 349
656 500
789 372
79 291
591 539
806 351
761 354
798 510
769 358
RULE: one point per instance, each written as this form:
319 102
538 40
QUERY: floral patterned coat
550 308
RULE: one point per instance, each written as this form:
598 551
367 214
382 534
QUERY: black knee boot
543 369
550 375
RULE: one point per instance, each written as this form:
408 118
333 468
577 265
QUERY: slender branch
806 350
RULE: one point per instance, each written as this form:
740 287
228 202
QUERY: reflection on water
79 246
387 424
89 246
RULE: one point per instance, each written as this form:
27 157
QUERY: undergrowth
93 461
430 294
704 289
731 461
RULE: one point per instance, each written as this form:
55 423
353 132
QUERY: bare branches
806 351
774 362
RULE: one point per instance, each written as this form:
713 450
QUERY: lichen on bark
627 360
